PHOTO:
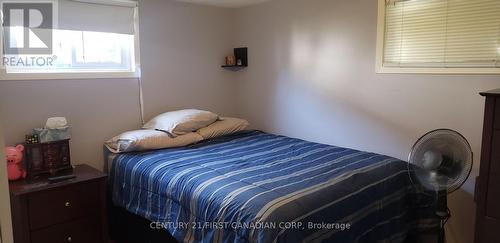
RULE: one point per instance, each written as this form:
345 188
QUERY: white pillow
182 121
224 126
141 140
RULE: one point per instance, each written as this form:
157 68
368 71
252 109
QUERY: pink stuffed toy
14 157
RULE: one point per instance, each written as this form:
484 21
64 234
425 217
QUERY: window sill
472 71
55 76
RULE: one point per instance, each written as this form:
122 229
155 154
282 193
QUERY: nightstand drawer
63 204
86 230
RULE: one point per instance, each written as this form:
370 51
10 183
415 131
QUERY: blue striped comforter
258 187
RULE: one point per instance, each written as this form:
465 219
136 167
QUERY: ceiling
225 3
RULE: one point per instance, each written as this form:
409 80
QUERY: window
80 51
439 36
103 46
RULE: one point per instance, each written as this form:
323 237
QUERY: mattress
258 187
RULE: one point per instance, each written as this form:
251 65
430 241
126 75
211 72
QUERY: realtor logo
28 28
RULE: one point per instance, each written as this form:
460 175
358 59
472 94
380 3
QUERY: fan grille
456 152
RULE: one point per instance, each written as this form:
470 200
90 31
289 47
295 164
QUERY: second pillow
225 126
181 122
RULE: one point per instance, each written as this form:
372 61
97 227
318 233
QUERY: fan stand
442 212
444 158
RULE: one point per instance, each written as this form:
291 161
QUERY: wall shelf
239 54
233 68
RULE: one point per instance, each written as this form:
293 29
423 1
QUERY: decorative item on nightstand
14 158
51 153
32 139
47 158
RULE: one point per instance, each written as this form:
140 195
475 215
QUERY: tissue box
46 135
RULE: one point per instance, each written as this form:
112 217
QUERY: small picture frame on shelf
230 60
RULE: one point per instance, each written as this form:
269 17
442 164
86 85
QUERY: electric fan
441 161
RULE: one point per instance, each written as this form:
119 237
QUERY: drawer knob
67 204
69 239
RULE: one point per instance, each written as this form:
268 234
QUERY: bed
258 187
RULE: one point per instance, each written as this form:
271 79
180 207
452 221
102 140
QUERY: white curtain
112 16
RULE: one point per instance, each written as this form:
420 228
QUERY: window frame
379 62
82 74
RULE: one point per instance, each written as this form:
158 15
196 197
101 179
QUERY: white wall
312 75
182 47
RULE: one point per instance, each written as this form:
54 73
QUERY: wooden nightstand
68 211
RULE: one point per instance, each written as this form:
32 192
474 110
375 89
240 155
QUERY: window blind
111 16
442 33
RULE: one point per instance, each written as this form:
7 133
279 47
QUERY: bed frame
126 227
